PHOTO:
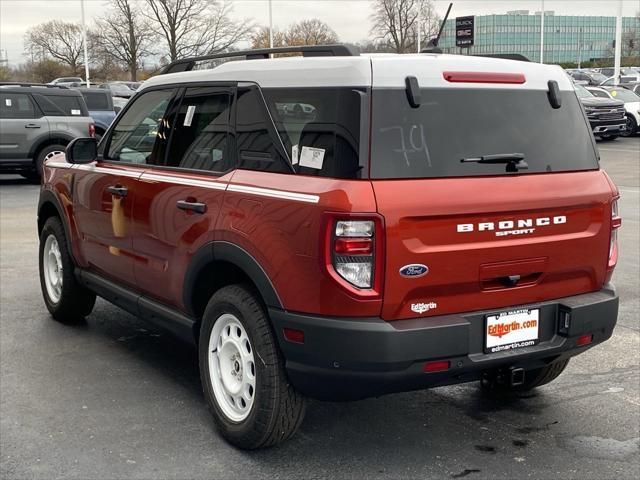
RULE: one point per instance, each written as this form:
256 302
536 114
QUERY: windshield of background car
597 77
320 128
582 92
452 124
624 95
120 88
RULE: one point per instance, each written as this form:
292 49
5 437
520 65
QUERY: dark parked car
100 105
592 78
607 117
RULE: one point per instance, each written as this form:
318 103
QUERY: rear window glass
320 128
97 100
62 105
454 124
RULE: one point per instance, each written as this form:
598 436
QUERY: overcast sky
349 18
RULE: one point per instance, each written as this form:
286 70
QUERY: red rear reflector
92 130
354 246
483 77
584 340
616 222
438 366
293 335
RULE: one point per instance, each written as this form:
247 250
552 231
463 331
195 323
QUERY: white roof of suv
381 70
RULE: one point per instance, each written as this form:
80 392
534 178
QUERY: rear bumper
353 358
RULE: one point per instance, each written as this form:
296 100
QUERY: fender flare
49 137
48 196
235 255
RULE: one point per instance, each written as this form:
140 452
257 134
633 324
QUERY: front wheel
65 298
242 372
632 126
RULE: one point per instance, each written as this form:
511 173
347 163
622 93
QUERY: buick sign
414 270
464 31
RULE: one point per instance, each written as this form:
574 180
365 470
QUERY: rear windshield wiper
514 161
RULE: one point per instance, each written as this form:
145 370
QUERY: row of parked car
39 120
629 77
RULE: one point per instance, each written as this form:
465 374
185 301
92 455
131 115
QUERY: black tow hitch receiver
516 377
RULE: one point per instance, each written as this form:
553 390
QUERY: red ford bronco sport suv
342 226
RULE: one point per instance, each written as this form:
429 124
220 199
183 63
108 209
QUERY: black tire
75 302
608 137
532 379
632 126
42 155
278 409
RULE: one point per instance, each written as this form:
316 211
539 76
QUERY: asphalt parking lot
116 399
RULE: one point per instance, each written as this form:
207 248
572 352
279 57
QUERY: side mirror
82 150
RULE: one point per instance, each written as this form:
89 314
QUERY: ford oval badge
414 270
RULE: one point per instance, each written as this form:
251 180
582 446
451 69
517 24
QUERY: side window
320 127
140 135
255 134
199 138
16 105
61 105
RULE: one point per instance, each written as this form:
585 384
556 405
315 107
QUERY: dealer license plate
511 330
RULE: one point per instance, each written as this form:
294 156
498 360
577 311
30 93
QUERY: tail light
92 129
616 222
353 253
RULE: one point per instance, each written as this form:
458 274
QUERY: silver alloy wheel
52 267
232 369
51 155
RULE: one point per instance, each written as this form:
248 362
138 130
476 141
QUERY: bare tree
58 39
196 27
310 32
124 35
396 22
305 32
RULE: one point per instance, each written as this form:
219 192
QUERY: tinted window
16 105
599 93
325 122
199 138
61 105
140 134
454 123
97 100
255 134
624 95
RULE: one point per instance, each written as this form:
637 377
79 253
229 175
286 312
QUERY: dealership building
567 38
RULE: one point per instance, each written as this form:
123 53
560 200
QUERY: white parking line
619 150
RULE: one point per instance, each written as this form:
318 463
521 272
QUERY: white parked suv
631 105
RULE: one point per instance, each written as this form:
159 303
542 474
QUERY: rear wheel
532 379
242 372
65 298
45 154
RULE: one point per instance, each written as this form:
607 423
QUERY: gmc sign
464 31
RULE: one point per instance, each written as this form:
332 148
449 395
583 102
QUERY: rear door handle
116 190
32 125
193 206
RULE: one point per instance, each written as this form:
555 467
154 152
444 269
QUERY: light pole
419 32
618 50
580 48
542 33
84 41
270 25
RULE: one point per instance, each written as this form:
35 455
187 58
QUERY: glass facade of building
566 38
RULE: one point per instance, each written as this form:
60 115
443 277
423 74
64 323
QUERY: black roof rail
507 56
27 84
187 64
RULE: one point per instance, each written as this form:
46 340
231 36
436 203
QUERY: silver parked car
36 122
